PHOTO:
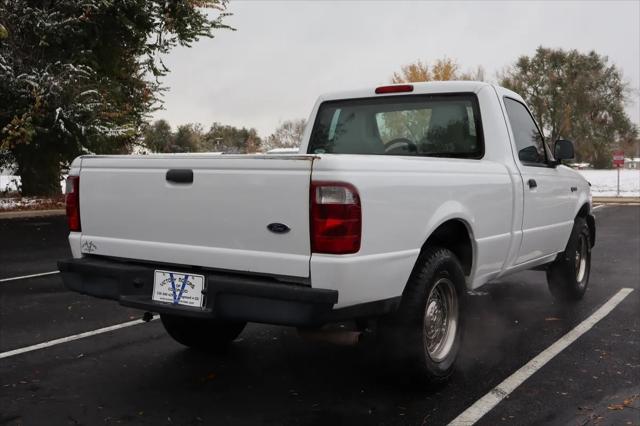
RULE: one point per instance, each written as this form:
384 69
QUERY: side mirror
563 150
529 154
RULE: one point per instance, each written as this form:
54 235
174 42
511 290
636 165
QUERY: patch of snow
604 182
31 203
284 151
8 170
8 183
8 203
15 203
89 92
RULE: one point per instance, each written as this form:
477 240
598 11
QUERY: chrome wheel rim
440 320
581 259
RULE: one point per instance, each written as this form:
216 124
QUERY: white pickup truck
403 198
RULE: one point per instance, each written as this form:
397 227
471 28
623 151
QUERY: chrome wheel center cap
440 320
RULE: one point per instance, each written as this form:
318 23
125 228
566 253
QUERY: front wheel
424 337
568 275
202 334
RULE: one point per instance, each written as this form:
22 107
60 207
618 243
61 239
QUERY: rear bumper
229 296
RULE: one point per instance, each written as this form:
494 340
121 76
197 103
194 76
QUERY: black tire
202 334
568 275
408 337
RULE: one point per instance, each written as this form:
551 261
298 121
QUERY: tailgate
130 210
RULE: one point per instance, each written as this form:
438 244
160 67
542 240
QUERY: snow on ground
31 203
8 183
604 182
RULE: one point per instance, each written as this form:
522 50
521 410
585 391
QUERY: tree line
572 95
84 77
159 137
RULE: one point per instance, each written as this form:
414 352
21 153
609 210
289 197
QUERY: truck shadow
273 376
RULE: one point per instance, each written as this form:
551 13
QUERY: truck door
548 200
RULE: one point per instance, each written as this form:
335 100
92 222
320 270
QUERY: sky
284 54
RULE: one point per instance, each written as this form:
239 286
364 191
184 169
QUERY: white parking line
500 392
71 338
3 280
598 207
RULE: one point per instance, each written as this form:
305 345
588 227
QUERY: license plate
178 288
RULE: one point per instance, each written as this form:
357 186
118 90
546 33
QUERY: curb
616 200
31 213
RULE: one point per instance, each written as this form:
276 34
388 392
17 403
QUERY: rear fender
453 210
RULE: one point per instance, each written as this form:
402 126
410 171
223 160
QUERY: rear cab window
418 125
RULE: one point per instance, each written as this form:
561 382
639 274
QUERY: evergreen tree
158 136
187 138
79 77
231 139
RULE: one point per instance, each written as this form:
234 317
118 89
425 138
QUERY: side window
527 137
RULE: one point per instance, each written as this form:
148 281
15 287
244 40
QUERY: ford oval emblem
278 228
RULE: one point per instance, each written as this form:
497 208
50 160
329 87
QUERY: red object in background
618 159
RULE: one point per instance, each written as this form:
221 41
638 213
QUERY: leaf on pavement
627 403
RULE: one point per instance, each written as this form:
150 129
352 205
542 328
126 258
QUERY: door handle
532 183
574 188
180 176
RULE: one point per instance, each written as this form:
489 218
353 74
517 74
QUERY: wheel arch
454 234
586 213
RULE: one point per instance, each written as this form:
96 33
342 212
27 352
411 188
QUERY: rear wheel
568 275
423 339
202 334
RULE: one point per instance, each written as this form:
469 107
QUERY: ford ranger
403 199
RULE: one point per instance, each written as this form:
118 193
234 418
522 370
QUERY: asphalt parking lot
138 375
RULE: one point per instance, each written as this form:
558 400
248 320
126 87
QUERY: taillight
396 88
336 218
72 201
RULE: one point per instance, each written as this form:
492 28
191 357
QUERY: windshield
426 125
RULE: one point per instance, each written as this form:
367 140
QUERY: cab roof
431 87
